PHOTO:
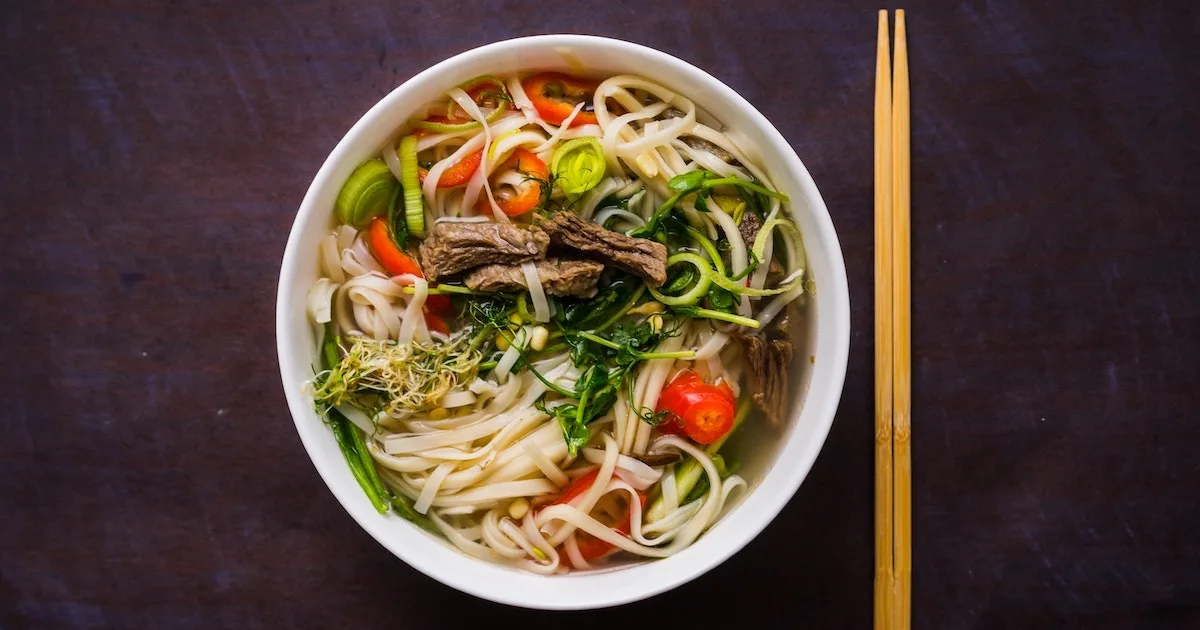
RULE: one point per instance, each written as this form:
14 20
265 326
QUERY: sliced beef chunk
769 356
574 278
452 248
749 228
704 145
640 256
659 459
697 142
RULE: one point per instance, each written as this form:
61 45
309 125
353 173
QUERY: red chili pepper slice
554 95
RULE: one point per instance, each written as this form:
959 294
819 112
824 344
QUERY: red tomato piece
702 411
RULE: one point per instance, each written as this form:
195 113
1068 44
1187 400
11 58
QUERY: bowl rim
758 509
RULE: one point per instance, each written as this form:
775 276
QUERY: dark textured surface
153 155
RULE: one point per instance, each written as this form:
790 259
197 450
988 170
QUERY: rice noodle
330 259
593 197
537 294
320 300
392 159
510 356
557 135
608 213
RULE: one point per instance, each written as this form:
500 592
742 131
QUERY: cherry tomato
702 411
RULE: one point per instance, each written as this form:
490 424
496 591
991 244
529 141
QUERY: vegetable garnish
526 192
486 92
397 379
554 95
701 183
439 303
351 441
414 205
590 547
702 411
688 475
578 165
458 174
366 193
395 261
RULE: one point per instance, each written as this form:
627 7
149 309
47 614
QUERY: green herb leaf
635 335
592 380
720 299
575 434
589 314
681 280
581 352
689 181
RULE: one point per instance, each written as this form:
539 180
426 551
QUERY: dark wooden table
154 154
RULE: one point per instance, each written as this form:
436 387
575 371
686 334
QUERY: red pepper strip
458 174
439 305
395 261
398 263
528 194
436 323
554 95
484 93
590 547
702 411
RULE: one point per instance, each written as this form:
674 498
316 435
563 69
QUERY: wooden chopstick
893 350
883 330
901 338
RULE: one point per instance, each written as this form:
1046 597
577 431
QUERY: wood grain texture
152 158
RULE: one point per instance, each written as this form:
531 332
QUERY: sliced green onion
366 193
633 299
368 462
578 165
708 277
344 433
791 232
492 116
446 289
734 286
414 208
698 290
705 313
709 248
745 184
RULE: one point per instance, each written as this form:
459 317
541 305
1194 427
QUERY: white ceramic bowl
777 463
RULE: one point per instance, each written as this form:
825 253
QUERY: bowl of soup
563 322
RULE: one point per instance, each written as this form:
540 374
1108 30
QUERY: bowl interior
774 461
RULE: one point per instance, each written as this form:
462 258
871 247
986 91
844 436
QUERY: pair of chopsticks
893 358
